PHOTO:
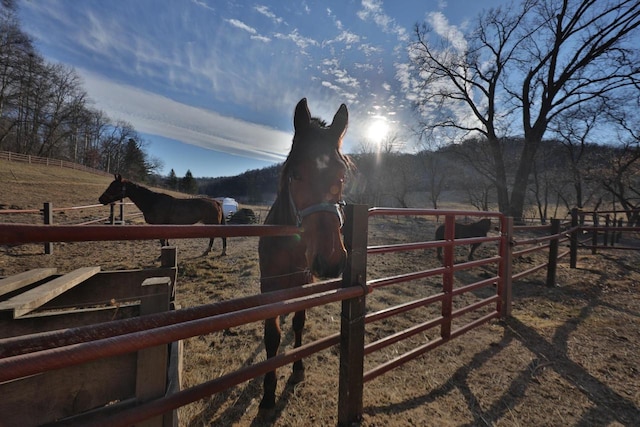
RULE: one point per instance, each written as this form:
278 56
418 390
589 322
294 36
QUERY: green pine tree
189 184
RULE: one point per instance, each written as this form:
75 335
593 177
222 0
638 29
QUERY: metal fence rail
27 355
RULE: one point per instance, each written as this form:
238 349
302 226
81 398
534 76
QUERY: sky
211 85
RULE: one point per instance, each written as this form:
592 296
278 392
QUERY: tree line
601 176
44 111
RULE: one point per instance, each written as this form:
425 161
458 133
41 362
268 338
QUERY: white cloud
348 38
202 4
154 114
264 10
300 41
372 9
441 26
369 50
242 26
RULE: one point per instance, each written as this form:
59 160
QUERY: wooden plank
53 395
34 298
18 281
119 285
62 319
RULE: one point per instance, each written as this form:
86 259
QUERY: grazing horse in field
309 196
466 231
160 208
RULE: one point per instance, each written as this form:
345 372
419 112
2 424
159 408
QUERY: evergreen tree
189 184
172 181
134 165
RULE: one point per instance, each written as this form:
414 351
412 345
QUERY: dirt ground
566 357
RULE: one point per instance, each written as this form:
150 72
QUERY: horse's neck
140 196
281 212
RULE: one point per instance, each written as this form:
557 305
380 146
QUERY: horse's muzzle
323 268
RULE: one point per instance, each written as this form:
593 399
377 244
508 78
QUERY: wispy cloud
441 26
202 5
299 40
264 10
372 9
242 26
154 114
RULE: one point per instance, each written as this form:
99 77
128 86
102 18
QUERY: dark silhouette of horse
309 196
466 231
160 208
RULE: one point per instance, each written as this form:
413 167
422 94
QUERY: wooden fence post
552 265
594 237
151 372
573 248
619 233
47 213
605 234
351 371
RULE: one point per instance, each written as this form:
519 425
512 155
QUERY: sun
378 130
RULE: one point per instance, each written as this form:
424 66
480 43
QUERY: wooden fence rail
47 161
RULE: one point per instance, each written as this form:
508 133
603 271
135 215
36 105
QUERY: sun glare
378 130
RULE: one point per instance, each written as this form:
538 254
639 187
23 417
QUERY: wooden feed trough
41 300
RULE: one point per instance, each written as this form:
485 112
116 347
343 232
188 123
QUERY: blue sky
211 84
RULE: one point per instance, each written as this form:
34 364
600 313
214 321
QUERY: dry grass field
567 357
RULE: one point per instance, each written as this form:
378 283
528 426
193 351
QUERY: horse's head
485 225
115 191
313 176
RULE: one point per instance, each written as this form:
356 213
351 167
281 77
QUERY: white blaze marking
322 162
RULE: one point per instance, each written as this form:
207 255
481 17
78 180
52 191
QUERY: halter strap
334 208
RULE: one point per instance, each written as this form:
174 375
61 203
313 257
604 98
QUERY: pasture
568 355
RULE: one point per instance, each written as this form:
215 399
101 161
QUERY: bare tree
531 63
65 107
622 176
435 175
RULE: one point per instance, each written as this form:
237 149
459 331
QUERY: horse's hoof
266 414
297 376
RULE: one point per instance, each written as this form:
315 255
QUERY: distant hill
255 186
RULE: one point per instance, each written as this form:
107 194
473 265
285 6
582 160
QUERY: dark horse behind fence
309 196
160 208
466 231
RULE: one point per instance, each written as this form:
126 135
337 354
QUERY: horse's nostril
322 268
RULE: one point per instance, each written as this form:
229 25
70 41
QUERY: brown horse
466 231
309 196
160 208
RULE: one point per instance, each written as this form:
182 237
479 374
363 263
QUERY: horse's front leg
298 325
472 250
272 336
224 246
206 252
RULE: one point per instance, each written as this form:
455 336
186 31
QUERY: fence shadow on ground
607 405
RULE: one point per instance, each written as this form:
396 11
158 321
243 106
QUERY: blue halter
334 208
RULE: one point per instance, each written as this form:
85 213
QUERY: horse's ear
302 116
117 177
340 121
